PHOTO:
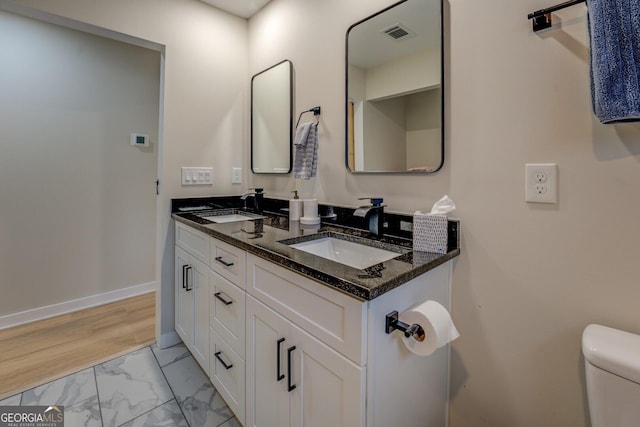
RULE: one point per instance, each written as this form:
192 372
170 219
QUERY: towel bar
542 18
314 110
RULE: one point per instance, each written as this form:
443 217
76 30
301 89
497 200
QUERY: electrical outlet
541 183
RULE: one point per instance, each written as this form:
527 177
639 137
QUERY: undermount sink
227 216
356 254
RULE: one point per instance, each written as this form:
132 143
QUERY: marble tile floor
148 387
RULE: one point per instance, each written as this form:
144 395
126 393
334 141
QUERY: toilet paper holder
392 323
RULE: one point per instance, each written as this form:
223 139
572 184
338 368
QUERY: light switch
197 176
236 175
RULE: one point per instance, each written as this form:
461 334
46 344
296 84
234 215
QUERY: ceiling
243 8
370 47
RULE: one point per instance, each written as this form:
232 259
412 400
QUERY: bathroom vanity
290 338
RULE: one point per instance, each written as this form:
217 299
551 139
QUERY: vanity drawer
331 316
227 373
193 241
227 310
228 261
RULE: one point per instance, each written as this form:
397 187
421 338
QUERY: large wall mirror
394 100
271 119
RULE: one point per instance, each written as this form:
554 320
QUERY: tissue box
430 232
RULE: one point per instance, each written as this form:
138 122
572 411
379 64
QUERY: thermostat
139 140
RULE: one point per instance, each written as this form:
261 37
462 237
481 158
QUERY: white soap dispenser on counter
295 207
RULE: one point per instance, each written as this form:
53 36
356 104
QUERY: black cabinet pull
223 262
289 352
279 375
184 275
227 367
224 301
189 268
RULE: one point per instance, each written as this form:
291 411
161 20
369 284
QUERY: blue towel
305 162
614 33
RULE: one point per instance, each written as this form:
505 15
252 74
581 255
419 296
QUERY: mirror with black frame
271 119
394 81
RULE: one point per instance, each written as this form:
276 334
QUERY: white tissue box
430 232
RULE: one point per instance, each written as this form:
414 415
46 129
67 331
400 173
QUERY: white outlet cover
541 183
236 175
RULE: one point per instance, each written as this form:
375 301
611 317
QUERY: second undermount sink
228 216
356 253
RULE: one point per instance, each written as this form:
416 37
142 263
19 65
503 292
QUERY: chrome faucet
375 213
258 197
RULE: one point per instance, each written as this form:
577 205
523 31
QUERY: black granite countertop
263 237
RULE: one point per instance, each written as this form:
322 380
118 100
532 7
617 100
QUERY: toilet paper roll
437 324
295 209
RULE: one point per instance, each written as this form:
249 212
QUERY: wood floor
39 352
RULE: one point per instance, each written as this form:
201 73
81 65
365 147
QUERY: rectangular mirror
394 99
271 119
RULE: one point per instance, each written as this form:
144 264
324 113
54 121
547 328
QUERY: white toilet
612 365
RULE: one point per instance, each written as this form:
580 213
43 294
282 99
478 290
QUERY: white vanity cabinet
192 292
287 351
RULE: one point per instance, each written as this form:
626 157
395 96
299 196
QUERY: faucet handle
375 201
257 190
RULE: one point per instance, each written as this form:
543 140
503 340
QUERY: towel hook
314 110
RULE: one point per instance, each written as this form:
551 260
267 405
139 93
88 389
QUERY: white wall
205 121
530 277
78 202
424 129
417 72
384 134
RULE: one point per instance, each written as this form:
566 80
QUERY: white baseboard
40 313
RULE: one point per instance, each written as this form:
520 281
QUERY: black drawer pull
227 367
224 301
223 262
189 282
279 375
289 352
184 275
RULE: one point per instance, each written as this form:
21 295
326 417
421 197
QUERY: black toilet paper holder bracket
392 322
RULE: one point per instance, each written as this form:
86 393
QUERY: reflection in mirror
271 120
394 90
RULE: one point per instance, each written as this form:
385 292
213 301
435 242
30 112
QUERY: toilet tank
612 367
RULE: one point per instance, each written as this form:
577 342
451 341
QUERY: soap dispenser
295 207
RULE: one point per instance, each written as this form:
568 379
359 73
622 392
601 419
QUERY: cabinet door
267 347
330 389
198 283
183 298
